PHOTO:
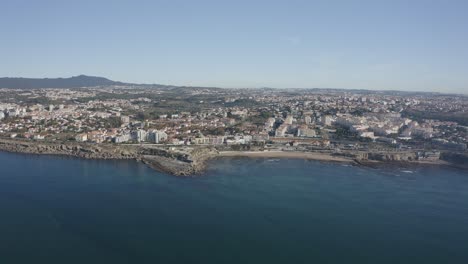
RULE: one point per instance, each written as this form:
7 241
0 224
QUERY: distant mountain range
93 81
72 82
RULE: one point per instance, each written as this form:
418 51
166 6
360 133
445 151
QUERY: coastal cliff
409 156
180 161
87 151
184 162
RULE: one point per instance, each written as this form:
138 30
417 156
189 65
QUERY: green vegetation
460 118
242 103
260 119
345 133
240 147
359 112
146 115
111 122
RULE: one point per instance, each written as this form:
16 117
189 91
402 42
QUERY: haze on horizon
399 45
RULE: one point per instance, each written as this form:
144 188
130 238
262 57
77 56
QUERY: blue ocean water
65 210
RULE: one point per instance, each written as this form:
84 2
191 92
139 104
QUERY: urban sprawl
286 119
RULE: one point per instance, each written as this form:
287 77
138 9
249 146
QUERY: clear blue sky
370 44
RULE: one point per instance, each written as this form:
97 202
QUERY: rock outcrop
409 156
176 161
185 162
87 151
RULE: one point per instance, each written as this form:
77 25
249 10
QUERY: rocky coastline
179 162
188 161
86 151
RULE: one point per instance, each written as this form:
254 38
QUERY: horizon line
262 87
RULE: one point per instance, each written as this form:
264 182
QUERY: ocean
67 210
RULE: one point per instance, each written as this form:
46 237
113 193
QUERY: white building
358 128
156 136
304 131
81 137
216 140
122 138
327 120
281 130
125 119
269 123
366 134
139 135
38 137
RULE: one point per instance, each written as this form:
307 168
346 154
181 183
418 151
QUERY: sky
369 44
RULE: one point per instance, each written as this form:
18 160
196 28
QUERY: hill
72 82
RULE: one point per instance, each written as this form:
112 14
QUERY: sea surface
66 210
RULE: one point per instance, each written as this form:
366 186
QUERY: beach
285 154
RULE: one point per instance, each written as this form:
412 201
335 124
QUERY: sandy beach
285 154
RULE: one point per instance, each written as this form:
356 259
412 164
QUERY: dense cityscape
305 120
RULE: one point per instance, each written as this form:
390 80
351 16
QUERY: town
288 119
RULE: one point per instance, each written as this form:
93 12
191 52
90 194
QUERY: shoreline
319 156
328 157
192 161
164 165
